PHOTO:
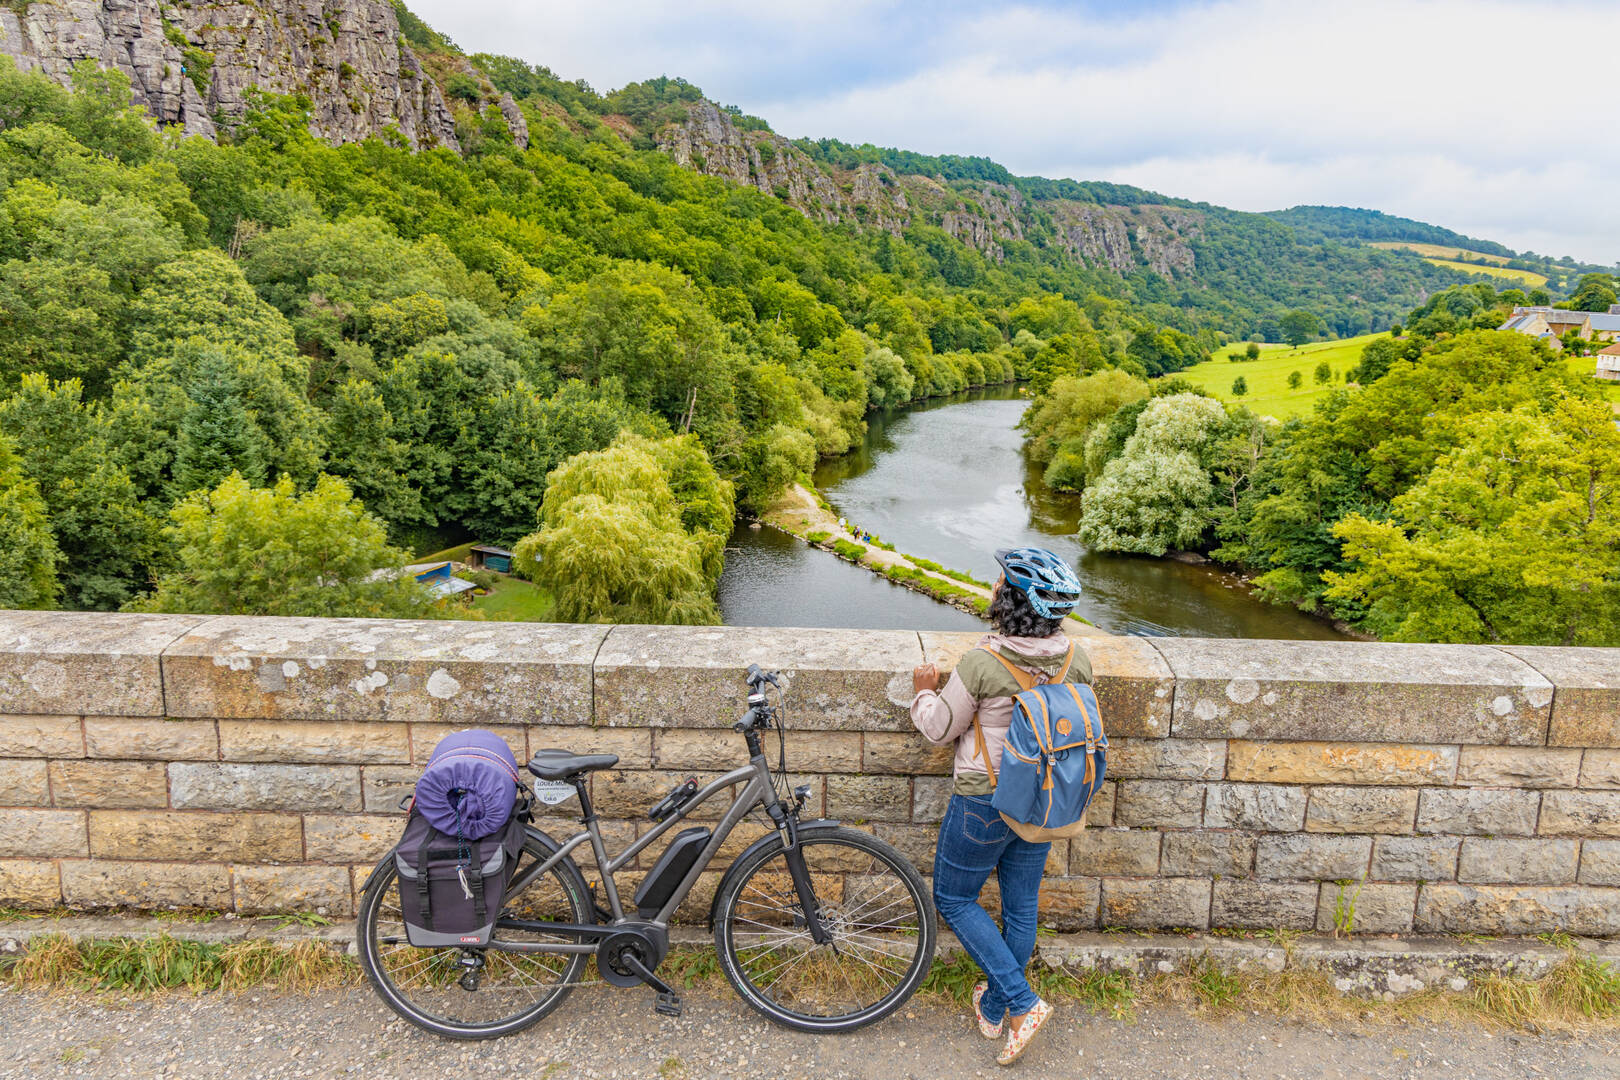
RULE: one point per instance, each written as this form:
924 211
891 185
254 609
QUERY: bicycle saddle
561 764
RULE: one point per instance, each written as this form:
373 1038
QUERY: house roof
442 587
490 549
1572 317
1612 350
1518 322
1605 322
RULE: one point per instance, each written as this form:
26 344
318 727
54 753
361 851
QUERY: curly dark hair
1011 613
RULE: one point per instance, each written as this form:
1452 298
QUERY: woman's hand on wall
925 677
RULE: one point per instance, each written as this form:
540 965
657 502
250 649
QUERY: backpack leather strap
1025 681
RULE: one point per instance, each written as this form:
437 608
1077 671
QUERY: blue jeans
973 841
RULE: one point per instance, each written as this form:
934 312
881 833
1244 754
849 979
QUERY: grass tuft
147 965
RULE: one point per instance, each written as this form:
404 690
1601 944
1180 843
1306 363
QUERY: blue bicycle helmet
1052 587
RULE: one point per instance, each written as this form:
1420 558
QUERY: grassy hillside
1437 251
1269 394
1522 277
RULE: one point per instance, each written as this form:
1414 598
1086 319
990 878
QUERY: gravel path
602 1033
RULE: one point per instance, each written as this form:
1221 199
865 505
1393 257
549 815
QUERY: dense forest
278 331
1465 487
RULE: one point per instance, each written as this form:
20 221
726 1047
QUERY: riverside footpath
607 1035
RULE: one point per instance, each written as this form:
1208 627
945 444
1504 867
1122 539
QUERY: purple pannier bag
469 786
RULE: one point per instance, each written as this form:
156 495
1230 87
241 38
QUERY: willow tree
612 544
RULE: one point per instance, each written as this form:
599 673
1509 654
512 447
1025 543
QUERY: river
948 480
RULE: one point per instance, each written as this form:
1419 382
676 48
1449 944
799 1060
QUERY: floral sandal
1018 1039
986 1028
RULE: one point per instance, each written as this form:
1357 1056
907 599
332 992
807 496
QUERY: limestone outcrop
194 64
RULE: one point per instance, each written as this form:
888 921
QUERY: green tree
217 437
1594 292
1295 380
1240 386
28 554
1323 374
1510 539
245 550
1252 350
612 546
1299 326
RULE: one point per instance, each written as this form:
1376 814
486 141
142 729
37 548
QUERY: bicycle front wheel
875 908
476 993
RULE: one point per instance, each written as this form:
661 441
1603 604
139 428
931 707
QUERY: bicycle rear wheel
476 993
875 907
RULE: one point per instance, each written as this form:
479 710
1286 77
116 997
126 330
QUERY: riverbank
801 513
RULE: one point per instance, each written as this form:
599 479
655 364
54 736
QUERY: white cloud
1472 115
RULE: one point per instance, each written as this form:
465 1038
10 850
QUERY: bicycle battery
673 865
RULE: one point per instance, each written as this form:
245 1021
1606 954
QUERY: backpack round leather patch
1063 725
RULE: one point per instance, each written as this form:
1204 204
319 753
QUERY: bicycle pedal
667 1005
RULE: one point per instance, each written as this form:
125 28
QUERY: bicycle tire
381 953
750 934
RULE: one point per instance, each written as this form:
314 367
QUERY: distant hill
1347 223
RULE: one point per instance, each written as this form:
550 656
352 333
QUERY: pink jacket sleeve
943 716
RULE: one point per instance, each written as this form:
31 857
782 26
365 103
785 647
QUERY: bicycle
818 927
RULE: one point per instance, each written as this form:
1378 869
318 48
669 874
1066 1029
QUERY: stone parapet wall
257 764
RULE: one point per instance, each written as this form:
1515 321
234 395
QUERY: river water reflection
949 481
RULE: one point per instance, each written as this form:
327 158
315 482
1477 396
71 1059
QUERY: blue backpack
1055 757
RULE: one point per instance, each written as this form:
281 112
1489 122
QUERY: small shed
439 577
488 557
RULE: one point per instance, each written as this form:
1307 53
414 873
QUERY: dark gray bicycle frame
760 791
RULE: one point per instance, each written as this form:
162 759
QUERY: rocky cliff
193 64
982 214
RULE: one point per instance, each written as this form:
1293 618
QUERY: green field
1435 251
1523 277
514 600
1587 365
1269 394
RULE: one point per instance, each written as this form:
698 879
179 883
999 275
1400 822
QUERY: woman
1036 590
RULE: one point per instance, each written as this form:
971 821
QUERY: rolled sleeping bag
469 785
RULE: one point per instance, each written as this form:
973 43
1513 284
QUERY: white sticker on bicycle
552 792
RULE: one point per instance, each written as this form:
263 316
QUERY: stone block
1069 903
1101 811
1370 908
869 798
1518 862
344 839
1319 858
1340 763
105 785
1166 759
29 883
1415 858
1135 689
85 663
108 883
1387 692
712 748
931 795
915 842
425 737
888 752
224 786
35 834
634 748
1477 811
151 738
268 890
23 783
1262 807
41 736
616 835
1600 862
465 674
1518 909
1362 810
1600 769
383 786
314 741
1518 766
1155 903
692 676
1162 803
1586 704
631 794
1263 905
184 835
1580 813
1201 853
1115 853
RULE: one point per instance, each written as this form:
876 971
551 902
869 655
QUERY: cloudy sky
1488 117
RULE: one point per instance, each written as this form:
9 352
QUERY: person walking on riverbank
1036 590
